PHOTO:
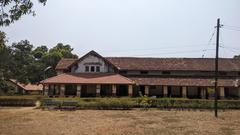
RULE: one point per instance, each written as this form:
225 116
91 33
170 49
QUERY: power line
149 49
209 42
178 52
232 29
232 26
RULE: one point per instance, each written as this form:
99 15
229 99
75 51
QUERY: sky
134 28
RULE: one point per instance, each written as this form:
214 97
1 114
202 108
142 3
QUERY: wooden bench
49 104
69 105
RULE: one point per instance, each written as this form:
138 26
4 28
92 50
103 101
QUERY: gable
91 62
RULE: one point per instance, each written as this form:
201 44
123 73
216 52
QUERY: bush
108 104
17 102
194 104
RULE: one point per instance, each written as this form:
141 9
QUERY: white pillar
146 90
46 88
165 91
130 90
222 93
114 90
98 89
62 90
184 91
79 88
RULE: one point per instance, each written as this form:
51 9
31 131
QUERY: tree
56 53
5 55
39 52
2 40
22 59
5 58
237 57
13 10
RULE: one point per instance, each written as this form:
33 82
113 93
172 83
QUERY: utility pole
216 71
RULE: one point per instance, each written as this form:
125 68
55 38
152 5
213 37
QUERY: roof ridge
168 58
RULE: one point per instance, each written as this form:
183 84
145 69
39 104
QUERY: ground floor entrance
121 90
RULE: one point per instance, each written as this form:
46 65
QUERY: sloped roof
28 87
88 78
162 64
65 63
184 81
177 64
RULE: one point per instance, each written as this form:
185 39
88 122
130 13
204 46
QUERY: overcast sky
146 28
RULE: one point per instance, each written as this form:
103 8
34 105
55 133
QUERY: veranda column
62 90
165 91
146 90
98 89
79 88
130 90
46 88
114 90
222 93
184 91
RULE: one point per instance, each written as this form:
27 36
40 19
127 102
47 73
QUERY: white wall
92 61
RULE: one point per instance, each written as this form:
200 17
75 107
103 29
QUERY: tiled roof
64 63
183 81
88 78
177 64
28 87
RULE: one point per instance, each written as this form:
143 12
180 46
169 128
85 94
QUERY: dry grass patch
29 121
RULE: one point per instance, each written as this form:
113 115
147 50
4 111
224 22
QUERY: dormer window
86 68
92 68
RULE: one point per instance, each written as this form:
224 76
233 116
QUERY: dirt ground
30 121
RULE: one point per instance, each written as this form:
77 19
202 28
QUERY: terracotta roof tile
88 78
28 87
193 64
64 63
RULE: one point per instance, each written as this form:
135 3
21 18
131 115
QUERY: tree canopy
26 63
13 10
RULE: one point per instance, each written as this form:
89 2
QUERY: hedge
162 103
17 102
194 104
128 103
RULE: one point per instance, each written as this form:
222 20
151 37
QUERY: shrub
17 102
110 104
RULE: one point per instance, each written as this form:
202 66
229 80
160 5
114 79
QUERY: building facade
25 89
95 76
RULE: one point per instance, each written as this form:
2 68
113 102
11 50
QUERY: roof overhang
88 78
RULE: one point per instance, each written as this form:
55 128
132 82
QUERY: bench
49 104
69 105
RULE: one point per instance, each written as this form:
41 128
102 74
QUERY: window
144 72
97 69
86 68
165 72
92 68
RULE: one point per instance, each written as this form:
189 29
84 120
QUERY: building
25 89
93 75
